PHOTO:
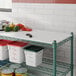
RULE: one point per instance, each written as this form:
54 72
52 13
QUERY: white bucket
16 53
33 56
4 49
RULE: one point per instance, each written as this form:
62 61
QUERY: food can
0 71
21 72
14 67
7 72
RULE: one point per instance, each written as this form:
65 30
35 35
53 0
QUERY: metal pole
72 54
54 57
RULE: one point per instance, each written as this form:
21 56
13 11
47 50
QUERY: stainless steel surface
5 10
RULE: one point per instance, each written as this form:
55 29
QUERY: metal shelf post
54 57
72 54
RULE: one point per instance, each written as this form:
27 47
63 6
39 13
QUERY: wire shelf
46 68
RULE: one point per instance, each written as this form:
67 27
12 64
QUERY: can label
21 75
7 75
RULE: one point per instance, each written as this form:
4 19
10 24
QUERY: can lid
33 48
17 43
21 70
6 71
14 66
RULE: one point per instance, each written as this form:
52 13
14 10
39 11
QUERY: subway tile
5 16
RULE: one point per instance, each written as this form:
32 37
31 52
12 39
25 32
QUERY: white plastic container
4 49
16 53
33 55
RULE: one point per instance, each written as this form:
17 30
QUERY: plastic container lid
17 43
33 48
7 71
21 70
4 42
7 41
14 66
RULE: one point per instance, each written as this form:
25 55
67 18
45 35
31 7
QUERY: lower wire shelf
45 69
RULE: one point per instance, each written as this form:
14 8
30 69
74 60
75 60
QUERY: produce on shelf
3 27
20 25
4 23
7 29
12 26
24 28
15 27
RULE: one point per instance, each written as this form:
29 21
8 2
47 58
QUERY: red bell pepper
20 26
26 29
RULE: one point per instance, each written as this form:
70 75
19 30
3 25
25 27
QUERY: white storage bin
4 49
33 55
16 53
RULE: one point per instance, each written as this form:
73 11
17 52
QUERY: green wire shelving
50 67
